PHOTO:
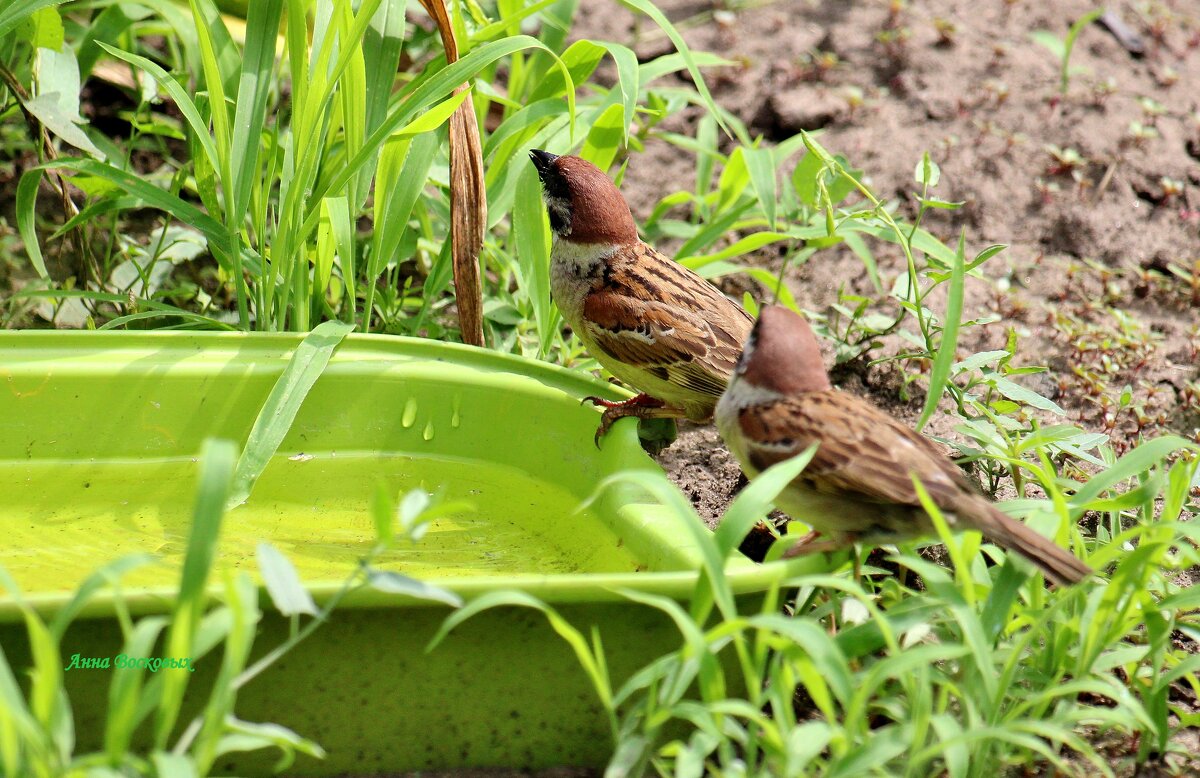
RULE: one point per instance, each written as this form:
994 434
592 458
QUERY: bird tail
1060 566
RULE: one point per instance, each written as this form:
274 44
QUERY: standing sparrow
858 486
651 322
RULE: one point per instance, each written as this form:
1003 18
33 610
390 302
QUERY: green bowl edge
744 576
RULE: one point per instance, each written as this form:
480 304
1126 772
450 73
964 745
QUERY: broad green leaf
1052 42
746 245
927 173
976 361
14 12
821 649
433 118
412 506
604 139
403 173
381 48
1134 463
45 674
57 102
627 80
43 29
1020 394
342 233
532 240
579 60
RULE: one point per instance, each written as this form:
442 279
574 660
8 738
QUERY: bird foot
809 544
642 400
641 406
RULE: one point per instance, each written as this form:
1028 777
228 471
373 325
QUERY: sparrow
648 320
858 487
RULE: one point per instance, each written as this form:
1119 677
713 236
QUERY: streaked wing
862 451
653 313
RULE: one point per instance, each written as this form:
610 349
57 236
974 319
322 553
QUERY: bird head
782 355
584 204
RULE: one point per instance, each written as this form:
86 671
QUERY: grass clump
146 730
915 669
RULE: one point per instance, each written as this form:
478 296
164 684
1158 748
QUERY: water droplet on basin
428 433
410 412
454 418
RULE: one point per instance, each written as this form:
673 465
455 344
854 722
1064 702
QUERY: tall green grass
305 131
282 181
973 671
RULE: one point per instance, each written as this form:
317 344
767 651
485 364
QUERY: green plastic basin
100 433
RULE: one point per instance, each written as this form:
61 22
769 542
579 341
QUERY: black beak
542 161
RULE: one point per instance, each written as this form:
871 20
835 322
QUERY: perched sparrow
651 322
858 486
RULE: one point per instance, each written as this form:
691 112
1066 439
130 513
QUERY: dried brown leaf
468 196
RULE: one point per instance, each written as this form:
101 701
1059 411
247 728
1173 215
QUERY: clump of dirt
1096 193
703 469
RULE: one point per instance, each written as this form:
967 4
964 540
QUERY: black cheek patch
555 187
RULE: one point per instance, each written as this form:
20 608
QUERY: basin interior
102 432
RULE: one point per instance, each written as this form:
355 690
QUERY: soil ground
1104 247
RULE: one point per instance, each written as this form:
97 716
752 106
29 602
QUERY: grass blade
533 254
125 690
760 164
627 78
1137 461
262 30
755 500
283 583
939 374
649 9
283 403
216 477
187 107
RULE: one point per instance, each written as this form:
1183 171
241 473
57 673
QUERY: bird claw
605 422
613 410
815 543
